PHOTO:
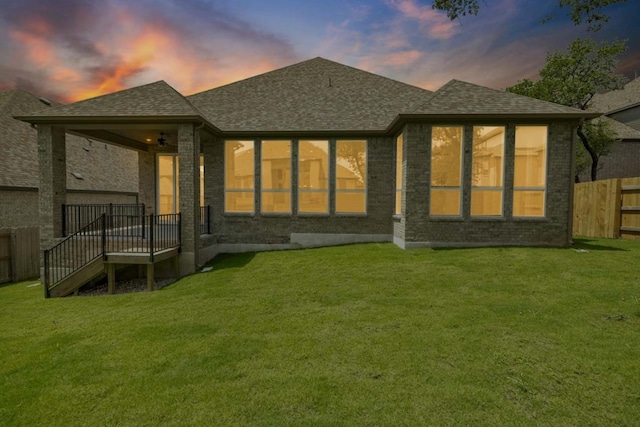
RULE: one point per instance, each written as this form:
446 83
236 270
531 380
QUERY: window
313 177
351 177
399 141
530 171
239 176
446 171
169 183
487 170
276 177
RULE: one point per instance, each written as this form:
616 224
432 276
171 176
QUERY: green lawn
352 335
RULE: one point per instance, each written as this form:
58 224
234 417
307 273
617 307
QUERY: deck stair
96 249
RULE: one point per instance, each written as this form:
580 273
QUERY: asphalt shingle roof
154 99
314 95
622 130
617 99
462 98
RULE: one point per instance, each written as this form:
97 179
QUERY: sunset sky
75 49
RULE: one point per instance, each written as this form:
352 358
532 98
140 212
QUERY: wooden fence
608 208
19 254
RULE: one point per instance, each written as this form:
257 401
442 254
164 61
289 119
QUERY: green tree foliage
572 78
589 12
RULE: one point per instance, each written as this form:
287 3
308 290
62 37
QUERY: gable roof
156 99
314 95
617 99
462 98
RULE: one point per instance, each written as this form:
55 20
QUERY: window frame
175 173
239 190
364 191
460 187
531 189
274 191
399 173
326 191
490 188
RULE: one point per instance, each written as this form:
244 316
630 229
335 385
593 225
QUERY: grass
353 335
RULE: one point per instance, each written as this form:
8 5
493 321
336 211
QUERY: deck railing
74 252
145 234
75 217
205 219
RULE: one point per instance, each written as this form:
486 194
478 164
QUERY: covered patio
154 120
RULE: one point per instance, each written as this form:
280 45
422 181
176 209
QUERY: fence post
208 219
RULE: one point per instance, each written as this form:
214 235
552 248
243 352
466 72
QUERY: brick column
53 182
147 180
189 181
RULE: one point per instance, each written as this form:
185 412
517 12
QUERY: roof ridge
317 58
434 94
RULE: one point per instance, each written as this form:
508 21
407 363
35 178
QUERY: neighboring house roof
157 99
622 130
462 98
617 99
314 95
102 168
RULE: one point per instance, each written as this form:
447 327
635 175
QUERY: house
621 108
319 153
95 172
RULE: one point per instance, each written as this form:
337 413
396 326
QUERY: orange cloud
38 49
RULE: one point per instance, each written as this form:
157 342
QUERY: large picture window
313 177
239 177
530 171
487 171
276 177
446 171
351 177
399 142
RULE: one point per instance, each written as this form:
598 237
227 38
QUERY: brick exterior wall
19 206
277 229
553 230
623 162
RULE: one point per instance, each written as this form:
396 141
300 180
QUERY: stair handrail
66 257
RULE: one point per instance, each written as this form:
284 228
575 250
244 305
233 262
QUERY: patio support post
52 183
147 178
189 181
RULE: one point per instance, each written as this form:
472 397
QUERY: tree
572 78
602 138
581 11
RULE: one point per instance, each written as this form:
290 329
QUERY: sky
70 50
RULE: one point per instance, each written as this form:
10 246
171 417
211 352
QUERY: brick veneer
277 229
417 228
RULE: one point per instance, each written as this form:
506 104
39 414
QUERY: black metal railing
160 232
205 219
147 234
75 217
74 252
